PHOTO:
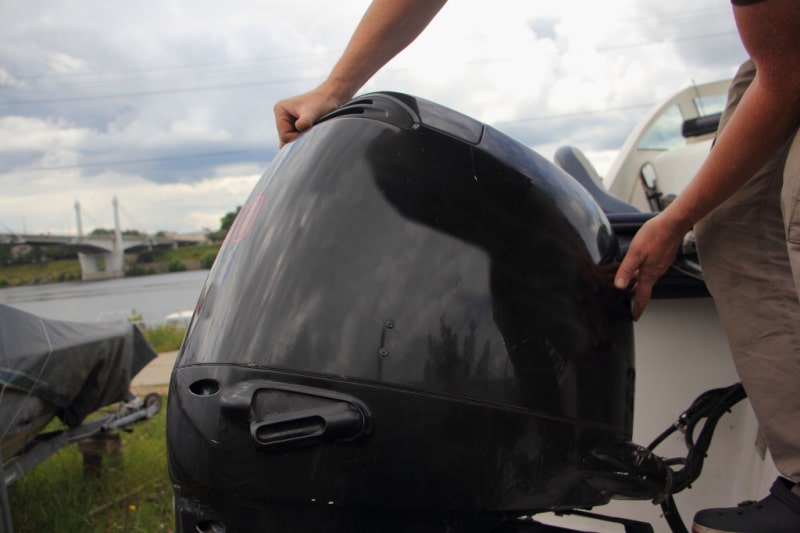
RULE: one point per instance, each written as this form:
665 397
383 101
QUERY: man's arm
768 113
386 28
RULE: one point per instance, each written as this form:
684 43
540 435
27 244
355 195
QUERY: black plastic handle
284 415
340 421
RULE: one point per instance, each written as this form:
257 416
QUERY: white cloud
154 101
144 206
20 133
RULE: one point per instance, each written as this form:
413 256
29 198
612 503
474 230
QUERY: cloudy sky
167 104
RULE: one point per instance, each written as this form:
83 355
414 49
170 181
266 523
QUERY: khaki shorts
749 249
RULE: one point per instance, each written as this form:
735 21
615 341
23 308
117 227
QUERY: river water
154 297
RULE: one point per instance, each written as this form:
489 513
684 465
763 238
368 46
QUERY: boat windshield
666 132
710 104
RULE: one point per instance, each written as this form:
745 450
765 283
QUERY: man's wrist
340 90
676 220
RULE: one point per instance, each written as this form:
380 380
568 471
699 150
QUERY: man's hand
297 114
651 253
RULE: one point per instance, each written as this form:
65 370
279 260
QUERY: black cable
672 515
709 406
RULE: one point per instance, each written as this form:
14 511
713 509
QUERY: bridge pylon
97 265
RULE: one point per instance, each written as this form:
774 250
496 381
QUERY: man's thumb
303 123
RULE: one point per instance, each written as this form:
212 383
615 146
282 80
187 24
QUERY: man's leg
789 454
747 267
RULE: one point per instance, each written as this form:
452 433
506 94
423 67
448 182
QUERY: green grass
164 337
199 256
133 496
190 253
52 271
193 257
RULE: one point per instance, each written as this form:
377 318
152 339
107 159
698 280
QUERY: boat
662 152
68 370
410 327
179 318
681 348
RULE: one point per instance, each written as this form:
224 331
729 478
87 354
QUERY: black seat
573 162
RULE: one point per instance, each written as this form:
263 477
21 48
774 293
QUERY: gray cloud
176 97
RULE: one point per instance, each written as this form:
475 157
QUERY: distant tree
176 265
51 253
147 256
208 260
105 232
36 255
225 225
227 221
6 257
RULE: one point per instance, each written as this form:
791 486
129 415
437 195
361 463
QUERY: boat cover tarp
76 367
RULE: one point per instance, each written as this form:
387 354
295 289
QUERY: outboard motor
411 327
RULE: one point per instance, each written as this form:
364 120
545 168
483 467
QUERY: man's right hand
297 114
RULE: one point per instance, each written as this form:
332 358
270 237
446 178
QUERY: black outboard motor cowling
411 326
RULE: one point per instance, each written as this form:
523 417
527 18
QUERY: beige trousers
749 249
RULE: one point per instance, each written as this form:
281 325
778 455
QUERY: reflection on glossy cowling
449 279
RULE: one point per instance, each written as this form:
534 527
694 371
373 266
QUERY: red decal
245 219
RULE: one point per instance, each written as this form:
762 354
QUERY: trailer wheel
152 404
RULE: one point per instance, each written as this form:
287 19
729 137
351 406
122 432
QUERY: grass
132 495
197 252
52 271
164 337
194 257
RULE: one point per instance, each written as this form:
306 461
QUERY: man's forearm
766 117
759 127
386 28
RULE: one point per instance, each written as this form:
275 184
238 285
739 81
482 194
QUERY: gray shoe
777 513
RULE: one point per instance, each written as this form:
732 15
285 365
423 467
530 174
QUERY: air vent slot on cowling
375 107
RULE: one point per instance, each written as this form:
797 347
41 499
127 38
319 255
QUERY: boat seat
573 162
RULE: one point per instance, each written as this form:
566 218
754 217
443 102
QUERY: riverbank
186 258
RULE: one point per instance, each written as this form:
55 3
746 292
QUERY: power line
660 18
121 162
172 68
666 41
144 160
574 114
211 66
155 92
298 79
699 13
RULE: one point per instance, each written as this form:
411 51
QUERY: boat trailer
46 444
